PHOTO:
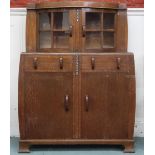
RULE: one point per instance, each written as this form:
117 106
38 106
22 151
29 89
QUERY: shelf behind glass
93 20
108 39
45 40
93 40
61 40
45 21
61 20
108 20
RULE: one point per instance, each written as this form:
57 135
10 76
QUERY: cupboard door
55 30
48 105
107 101
98 30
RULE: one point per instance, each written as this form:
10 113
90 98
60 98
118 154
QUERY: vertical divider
75 96
75 76
83 22
52 33
38 32
102 16
80 97
115 24
31 30
72 23
81 43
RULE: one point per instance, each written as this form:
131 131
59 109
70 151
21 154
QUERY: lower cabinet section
76 99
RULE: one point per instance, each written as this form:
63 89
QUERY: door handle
61 63
70 30
93 63
118 63
66 103
83 30
35 63
87 103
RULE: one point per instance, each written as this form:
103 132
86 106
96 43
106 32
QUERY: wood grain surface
130 3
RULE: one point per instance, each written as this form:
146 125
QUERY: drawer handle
87 102
118 63
61 63
66 103
35 63
69 31
83 30
92 63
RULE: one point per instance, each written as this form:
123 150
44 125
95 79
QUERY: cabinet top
76 4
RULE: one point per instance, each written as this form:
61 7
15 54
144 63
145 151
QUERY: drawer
108 62
49 63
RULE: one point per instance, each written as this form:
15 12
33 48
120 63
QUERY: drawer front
48 63
114 63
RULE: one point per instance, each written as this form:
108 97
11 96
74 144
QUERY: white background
149 84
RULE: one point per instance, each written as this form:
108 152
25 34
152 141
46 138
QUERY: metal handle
35 63
66 103
93 63
118 63
87 102
61 63
70 30
83 30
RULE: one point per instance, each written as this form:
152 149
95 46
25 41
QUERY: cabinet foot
24 147
129 147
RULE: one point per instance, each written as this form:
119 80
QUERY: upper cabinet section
76 27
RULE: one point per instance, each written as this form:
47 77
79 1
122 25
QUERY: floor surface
78 150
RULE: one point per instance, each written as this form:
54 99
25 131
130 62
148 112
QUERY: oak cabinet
76 78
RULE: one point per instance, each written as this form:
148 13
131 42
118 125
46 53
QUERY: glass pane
45 21
108 39
45 39
61 40
108 20
61 20
93 40
93 20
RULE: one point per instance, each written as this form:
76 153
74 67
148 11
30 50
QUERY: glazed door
107 95
48 101
98 30
56 30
